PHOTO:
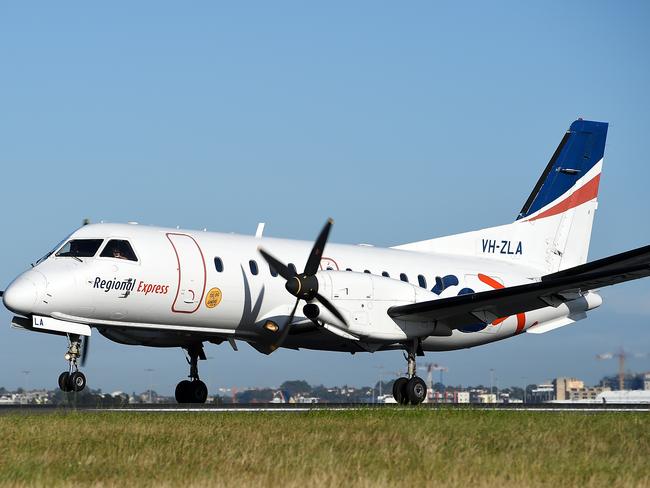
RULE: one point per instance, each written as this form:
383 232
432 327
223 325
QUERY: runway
316 407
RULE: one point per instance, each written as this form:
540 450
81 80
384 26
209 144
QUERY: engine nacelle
364 299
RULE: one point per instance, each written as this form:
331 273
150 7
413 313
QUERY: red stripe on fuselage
587 192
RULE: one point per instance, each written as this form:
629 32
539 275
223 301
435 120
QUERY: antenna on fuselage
260 230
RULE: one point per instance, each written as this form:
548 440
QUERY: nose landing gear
193 391
73 379
410 389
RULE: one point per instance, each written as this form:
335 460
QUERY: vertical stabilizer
553 228
566 194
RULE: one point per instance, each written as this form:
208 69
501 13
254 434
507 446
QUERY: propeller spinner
304 286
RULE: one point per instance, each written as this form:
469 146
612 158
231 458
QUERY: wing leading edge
552 290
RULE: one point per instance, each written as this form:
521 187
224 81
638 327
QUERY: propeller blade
84 350
282 270
1 293
313 262
305 285
328 305
285 332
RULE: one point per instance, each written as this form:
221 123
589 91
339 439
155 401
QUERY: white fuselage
217 287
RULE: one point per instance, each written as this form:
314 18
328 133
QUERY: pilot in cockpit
119 249
117 253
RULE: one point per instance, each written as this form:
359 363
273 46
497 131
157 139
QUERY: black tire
64 381
77 381
198 392
182 391
416 390
399 391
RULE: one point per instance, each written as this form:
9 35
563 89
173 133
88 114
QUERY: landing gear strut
193 391
410 389
73 379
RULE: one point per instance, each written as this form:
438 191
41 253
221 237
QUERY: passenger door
191 273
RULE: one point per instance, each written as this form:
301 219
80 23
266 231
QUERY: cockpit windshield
52 251
80 248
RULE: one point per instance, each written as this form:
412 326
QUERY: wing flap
553 289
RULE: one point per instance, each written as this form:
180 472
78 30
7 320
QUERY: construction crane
622 356
430 368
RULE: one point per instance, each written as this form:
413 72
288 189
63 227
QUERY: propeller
304 286
84 350
1 293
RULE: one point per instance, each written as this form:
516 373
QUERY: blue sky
401 121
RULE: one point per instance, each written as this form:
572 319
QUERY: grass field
407 447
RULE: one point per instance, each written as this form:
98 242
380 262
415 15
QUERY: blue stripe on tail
580 149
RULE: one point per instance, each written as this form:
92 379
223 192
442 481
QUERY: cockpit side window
119 249
80 248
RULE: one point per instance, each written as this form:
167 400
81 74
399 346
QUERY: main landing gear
410 390
193 391
73 379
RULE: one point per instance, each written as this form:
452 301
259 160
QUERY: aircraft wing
552 290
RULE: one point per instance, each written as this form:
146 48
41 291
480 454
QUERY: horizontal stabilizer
554 324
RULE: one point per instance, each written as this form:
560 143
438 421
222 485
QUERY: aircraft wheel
77 381
416 390
399 391
198 392
182 391
64 381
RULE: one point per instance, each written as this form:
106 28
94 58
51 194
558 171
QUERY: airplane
166 287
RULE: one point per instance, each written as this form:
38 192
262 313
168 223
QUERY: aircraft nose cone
21 295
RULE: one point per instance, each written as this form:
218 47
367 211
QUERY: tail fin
553 228
574 168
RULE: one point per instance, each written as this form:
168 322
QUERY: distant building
442 397
475 393
506 398
646 381
303 399
8 398
542 394
486 398
35 397
574 390
386 399
461 397
449 396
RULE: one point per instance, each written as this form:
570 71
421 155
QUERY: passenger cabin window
422 281
366 271
385 273
119 249
348 269
274 273
403 277
218 264
253 265
80 248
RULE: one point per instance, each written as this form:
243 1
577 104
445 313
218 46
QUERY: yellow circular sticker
213 298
